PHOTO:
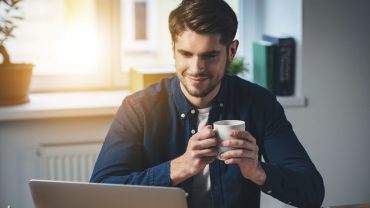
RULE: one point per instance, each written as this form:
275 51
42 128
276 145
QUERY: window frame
129 43
108 70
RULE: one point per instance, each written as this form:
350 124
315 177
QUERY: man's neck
201 102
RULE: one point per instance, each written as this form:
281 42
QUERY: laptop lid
61 194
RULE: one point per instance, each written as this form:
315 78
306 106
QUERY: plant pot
15 82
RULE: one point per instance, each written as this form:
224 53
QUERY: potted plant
14 78
236 67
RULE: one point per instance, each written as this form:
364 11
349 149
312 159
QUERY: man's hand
245 154
201 150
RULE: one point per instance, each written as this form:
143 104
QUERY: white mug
222 130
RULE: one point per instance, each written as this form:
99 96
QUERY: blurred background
83 51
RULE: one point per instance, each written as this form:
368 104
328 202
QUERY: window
138 25
69 42
92 44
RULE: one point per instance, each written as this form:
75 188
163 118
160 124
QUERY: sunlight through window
60 37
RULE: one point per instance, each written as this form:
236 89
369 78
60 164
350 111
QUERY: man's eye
186 54
210 56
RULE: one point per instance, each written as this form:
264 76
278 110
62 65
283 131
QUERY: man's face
200 62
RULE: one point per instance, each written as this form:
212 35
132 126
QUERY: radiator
68 162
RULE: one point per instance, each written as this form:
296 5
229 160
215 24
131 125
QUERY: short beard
207 90
202 93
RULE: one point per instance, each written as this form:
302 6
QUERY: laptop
62 194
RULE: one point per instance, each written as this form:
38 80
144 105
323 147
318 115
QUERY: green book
263 63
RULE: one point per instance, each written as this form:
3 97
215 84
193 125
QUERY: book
142 77
263 63
284 64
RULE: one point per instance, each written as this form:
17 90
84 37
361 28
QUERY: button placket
193 121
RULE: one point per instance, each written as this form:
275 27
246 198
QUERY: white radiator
68 162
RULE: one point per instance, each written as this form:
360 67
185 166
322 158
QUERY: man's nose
198 64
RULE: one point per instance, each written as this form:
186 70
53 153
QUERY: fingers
240 143
245 135
236 160
205 138
239 153
243 147
211 153
205 133
203 144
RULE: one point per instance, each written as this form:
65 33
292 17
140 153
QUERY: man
163 135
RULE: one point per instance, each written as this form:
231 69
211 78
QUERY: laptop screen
61 194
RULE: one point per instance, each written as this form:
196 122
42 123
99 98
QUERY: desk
367 205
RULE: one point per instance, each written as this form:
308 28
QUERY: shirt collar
182 105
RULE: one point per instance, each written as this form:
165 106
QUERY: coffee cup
222 131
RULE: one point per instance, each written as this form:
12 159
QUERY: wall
19 141
333 59
334 126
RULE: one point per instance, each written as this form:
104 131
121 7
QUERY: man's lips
197 79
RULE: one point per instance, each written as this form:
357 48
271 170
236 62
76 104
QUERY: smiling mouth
197 79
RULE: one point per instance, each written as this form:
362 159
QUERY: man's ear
232 50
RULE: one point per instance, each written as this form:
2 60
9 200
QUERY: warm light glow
78 48
65 41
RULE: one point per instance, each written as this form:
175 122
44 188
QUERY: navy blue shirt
153 126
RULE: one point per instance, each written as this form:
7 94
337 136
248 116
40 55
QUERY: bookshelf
271 17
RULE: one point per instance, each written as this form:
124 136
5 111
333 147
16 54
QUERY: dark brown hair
204 17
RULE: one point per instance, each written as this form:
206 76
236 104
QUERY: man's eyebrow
183 51
213 52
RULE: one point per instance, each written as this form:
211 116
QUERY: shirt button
290 202
182 115
269 191
221 105
192 131
192 111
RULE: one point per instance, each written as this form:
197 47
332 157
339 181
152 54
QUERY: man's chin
197 90
198 93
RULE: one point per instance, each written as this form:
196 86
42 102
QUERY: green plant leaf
236 66
7 2
8 18
18 17
8 22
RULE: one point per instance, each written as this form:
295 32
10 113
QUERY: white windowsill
79 104
68 104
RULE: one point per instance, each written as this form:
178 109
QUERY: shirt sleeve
291 176
121 159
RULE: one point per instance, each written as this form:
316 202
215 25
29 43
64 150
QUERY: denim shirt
153 126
